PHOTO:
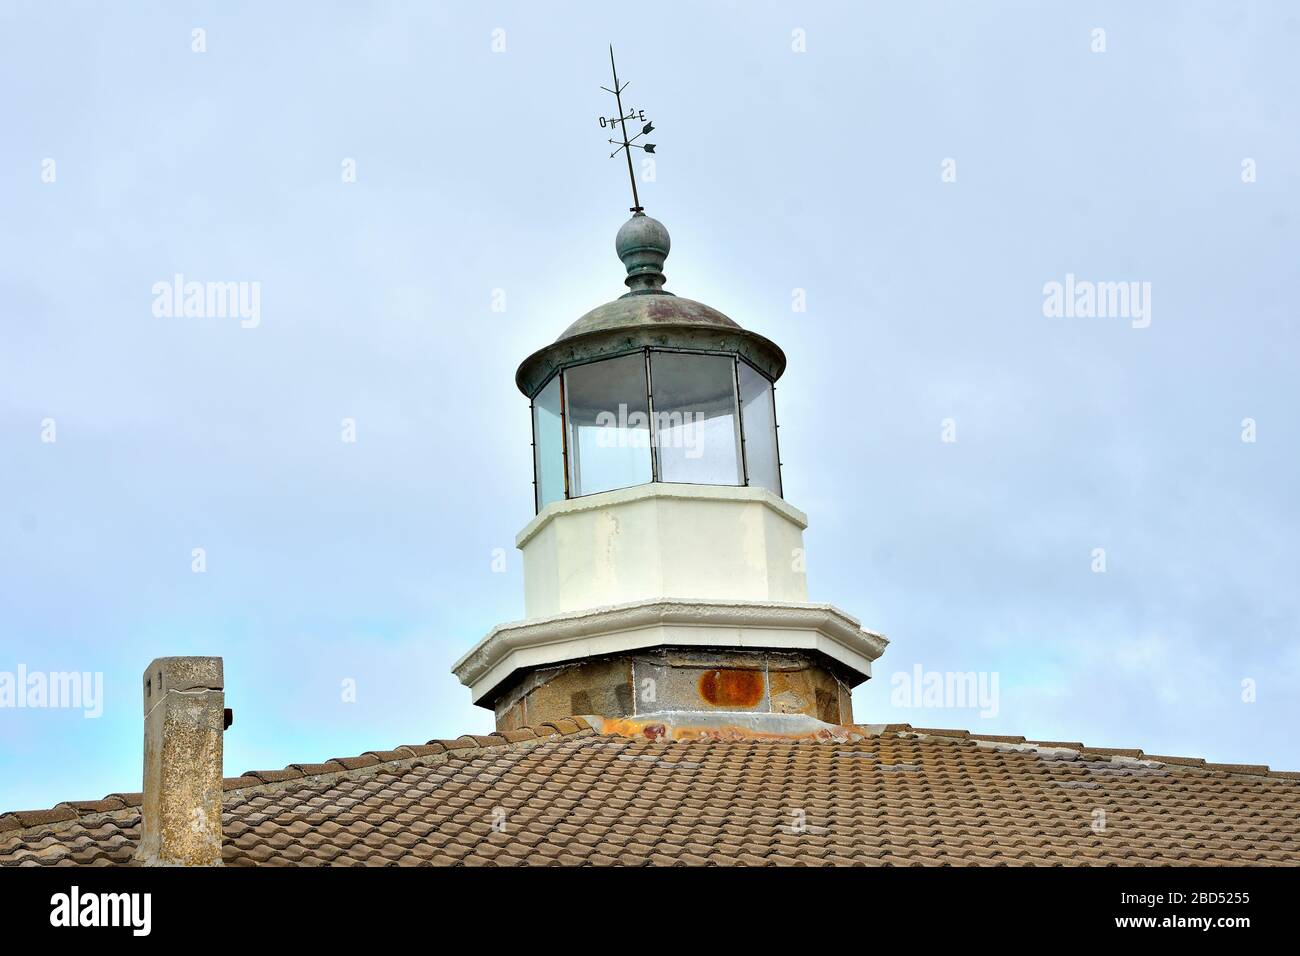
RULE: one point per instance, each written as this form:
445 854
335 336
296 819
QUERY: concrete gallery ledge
819 629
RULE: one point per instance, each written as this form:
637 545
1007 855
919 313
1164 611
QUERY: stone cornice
677 622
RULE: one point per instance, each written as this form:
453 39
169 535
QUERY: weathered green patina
646 316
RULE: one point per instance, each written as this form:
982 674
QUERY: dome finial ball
643 245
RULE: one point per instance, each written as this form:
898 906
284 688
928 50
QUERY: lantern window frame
655 474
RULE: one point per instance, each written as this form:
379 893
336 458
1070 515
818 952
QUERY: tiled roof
564 794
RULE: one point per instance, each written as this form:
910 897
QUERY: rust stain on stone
731 688
659 730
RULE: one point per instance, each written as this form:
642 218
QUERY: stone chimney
184 719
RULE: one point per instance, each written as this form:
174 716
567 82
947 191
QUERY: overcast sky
801 147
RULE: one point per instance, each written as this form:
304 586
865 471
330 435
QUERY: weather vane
626 144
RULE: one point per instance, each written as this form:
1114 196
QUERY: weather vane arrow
626 144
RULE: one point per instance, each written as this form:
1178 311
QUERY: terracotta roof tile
425 750
33 818
561 794
356 763
130 799
514 736
274 776
94 806
1179 761
385 756
1248 768
312 769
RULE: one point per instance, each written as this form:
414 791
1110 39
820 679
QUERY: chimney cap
181 674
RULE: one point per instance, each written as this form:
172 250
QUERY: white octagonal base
657 540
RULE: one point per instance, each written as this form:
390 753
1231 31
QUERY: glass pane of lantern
609 424
548 444
759 411
695 418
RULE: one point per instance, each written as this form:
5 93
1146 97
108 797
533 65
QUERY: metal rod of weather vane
622 120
